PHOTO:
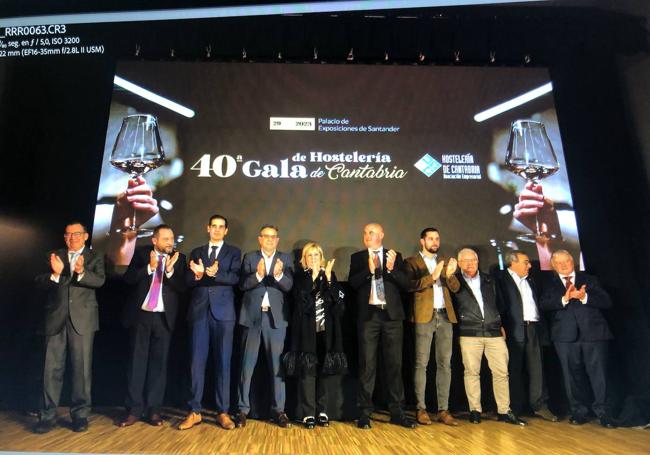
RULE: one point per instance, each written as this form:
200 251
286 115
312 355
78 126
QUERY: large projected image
322 150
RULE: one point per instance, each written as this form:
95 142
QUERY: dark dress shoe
240 420
128 421
607 422
364 422
578 420
282 420
155 420
44 426
80 425
474 417
402 421
309 423
511 418
323 420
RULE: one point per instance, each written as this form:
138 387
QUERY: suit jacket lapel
222 252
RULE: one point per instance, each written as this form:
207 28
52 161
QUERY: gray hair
513 256
465 251
560 252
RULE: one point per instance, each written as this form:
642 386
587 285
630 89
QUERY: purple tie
155 286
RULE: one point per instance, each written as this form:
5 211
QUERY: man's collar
78 251
515 276
467 277
219 244
269 255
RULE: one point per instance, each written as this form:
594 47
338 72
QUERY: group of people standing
500 317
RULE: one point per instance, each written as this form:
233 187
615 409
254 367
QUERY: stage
341 437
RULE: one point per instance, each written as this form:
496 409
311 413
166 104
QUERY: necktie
375 261
213 254
72 257
568 281
380 297
156 285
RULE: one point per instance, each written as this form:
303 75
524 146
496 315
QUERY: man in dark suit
525 332
432 312
156 277
71 320
481 333
377 275
580 334
214 271
266 277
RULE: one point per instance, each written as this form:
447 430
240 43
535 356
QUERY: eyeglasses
74 235
269 236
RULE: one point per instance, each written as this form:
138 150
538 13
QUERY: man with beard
156 276
431 276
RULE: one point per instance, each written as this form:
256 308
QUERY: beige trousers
496 352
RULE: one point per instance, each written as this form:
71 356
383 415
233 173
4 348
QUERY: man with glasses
266 277
213 274
71 320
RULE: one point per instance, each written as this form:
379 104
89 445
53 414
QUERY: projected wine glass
138 150
530 155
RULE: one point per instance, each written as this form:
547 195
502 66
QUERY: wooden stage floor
490 437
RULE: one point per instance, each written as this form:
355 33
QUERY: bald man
580 334
377 275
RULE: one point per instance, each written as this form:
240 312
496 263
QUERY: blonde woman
316 339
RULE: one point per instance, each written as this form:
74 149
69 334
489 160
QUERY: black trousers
373 332
584 364
526 357
149 339
57 348
312 390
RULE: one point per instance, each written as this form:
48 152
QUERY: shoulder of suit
231 247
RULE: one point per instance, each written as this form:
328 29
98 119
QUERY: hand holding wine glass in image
137 150
530 155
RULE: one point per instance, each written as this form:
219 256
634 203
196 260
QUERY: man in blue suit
581 336
267 275
213 273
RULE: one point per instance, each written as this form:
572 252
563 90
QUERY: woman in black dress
316 339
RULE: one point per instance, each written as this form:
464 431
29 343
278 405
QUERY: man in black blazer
481 333
214 271
156 276
377 275
525 334
266 278
580 334
71 320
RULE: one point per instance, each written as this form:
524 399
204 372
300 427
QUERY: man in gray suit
266 276
71 320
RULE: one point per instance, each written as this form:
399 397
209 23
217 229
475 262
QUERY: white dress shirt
268 260
373 291
530 309
72 259
573 280
160 307
438 295
475 286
